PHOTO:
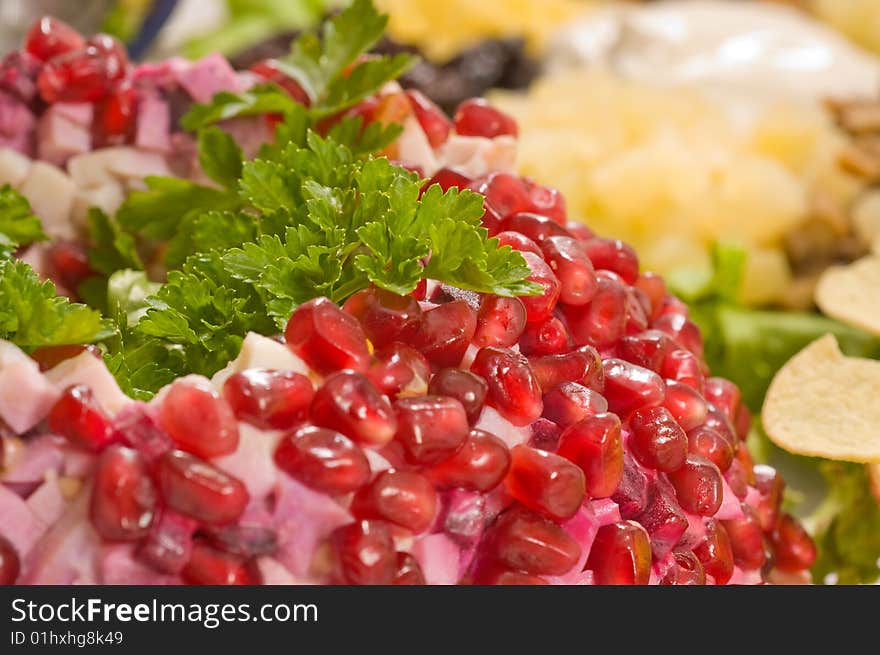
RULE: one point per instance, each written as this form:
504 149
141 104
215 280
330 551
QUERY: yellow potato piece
824 404
852 293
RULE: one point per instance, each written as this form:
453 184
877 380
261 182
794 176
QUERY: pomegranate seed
197 489
538 228
476 117
479 465
50 37
527 541
540 306
323 459
647 349
500 321
594 378
657 441
548 202
468 389
629 387
327 338
631 494
553 370
198 419
18 75
430 428
664 520
684 331
545 482
746 538
545 435
50 356
384 316
505 193
512 387
69 263
687 571
431 118
636 316
594 444
448 178
269 69
243 540
209 566
399 369
519 242
365 553
687 407
139 430
123 498
742 422
724 394
654 288
698 485
613 255
715 553
405 498
84 75
621 555
569 402
491 220
10 564
682 366
78 417
717 420
169 544
348 403
408 571
269 399
496 575
736 477
547 337
445 333
707 443
421 290
602 322
115 117
793 547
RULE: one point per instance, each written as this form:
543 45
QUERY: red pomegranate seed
384 316
479 465
736 477
348 403
399 369
430 428
519 242
792 546
684 367
78 417
631 494
10 564
431 118
123 500
636 315
539 307
654 288
365 553
476 117
50 356
544 482
197 489
408 571
536 227
69 263
269 399
500 321
243 540
115 116
269 69
647 349
323 459
18 75
83 75
528 542
169 544
657 441
687 571
715 553
613 255
198 419
210 566
445 333
629 387
698 485
548 201
512 387
404 498
448 178
50 37
724 394
684 331
569 402
467 388
505 193
663 519
547 337
707 443
496 575
621 555
743 422
687 407
746 538
594 444
553 370
327 338
602 322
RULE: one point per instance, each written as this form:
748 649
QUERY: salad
365 352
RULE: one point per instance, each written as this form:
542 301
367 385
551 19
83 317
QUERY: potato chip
824 404
852 293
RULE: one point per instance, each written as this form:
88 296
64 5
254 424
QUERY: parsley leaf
220 157
17 221
111 248
260 99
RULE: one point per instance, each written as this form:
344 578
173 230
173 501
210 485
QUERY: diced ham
42 455
14 167
87 369
252 462
78 113
78 463
258 351
741 577
153 130
21 526
59 138
606 511
208 76
117 565
249 132
26 396
476 156
47 502
730 508
52 208
16 124
582 527
272 572
439 557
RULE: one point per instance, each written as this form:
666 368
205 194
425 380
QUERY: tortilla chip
852 293
824 404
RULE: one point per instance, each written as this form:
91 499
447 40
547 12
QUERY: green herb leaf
220 157
17 221
261 99
111 248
